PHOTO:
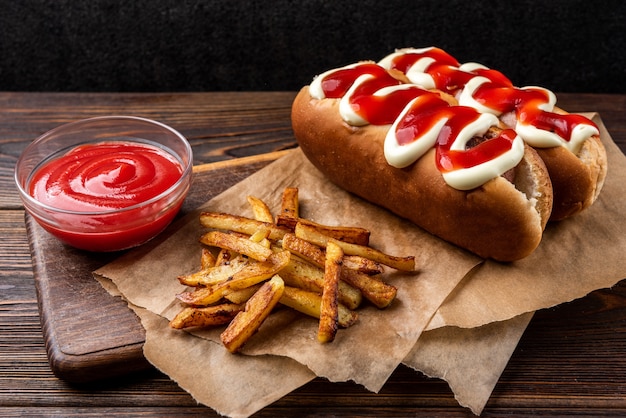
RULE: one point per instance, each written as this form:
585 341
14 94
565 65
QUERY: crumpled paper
471 360
368 352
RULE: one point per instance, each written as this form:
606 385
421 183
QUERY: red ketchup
526 103
499 93
381 109
450 160
100 185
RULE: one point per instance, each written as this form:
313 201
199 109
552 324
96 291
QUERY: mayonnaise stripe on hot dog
369 94
489 91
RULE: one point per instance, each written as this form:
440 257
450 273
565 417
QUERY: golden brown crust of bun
576 179
493 221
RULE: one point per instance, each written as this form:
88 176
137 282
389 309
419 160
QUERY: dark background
218 45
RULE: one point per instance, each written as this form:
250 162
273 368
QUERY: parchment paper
234 386
223 374
368 352
575 257
226 377
471 360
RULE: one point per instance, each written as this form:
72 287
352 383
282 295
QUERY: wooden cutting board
89 334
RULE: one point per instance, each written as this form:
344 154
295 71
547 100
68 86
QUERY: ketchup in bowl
104 176
111 187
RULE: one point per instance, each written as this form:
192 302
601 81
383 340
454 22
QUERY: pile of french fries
252 265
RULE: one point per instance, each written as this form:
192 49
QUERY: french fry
290 204
362 264
213 275
329 310
399 263
241 296
304 249
207 259
225 256
251 274
315 255
289 216
376 291
260 237
260 210
350 234
309 303
260 234
202 296
241 224
191 317
322 271
236 243
257 309
310 234
304 275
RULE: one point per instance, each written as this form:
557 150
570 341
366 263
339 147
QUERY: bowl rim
184 177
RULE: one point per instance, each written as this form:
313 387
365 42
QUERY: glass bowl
123 153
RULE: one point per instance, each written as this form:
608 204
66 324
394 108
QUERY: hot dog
456 172
569 145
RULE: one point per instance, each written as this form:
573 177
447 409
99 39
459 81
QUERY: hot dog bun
577 178
501 219
569 144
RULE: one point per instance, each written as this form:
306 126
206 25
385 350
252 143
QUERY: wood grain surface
570 361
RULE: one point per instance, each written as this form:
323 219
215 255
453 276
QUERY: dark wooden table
570 361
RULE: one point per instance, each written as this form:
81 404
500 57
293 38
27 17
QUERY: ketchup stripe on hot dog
369 94
489 91
531 111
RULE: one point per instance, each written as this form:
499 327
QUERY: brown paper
471 360
368 352
208 362
226 379
575 257
228 388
